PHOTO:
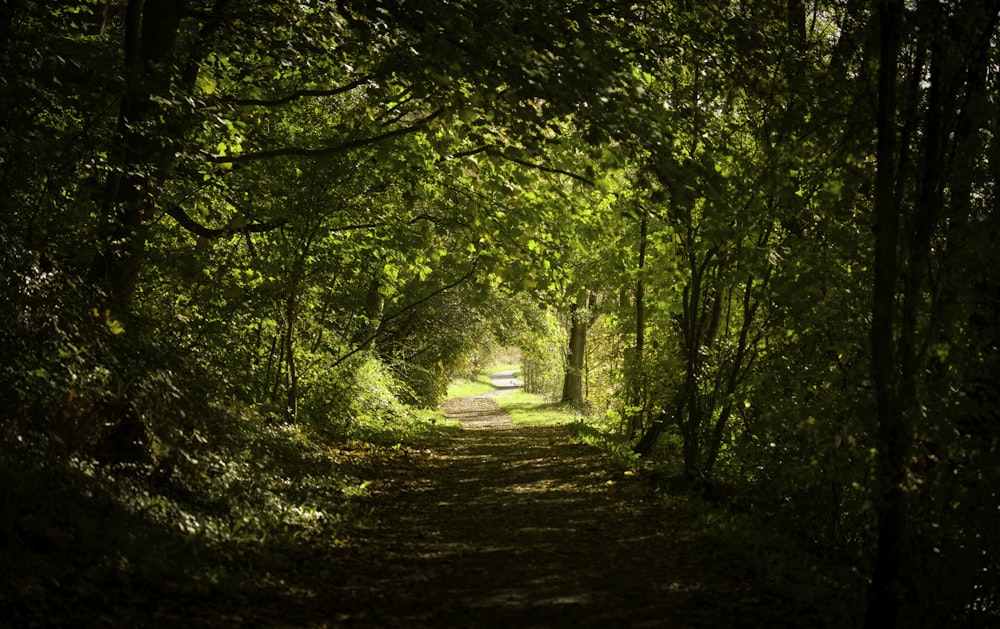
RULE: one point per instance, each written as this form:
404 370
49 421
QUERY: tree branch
274 102
324 151
493 149
469 153
430 296
547 169
175 212
381 326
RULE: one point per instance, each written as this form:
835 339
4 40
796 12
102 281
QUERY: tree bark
891 432
292 381
573 377
636 370
138 155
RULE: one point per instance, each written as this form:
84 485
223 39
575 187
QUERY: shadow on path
529 528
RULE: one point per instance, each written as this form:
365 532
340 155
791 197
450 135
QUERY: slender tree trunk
891 433
374 309
699 322
736 369
573 378
640 297
7 14
266 383
702 310
658 425
956 47
636 370
796 21
691 427
292 383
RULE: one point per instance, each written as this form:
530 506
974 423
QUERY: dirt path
478 412
526 527
494 526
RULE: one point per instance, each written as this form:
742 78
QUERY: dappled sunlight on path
528 527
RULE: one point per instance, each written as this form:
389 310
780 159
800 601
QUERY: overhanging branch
431 296
492 149
546 169
381 326
469 153
274 102
324 151
175 212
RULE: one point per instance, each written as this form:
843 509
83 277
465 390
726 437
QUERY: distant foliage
543 346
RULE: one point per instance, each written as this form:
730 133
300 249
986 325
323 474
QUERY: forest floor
494 525
504 526
527 527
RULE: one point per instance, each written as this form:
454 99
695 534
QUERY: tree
930 116
581 317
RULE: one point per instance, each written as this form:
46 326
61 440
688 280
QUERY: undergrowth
811 579
614 444
235 495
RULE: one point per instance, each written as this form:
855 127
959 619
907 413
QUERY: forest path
502 526
481 412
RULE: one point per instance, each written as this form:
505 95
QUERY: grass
526 409
530 409
505 367
437 420
464 387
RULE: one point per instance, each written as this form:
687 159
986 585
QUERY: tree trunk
7 17
292 383
700 320
900 335
691 428
636 370
659 425
652 434
364 336
138 155
796 22
573 377
891 433
736 369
